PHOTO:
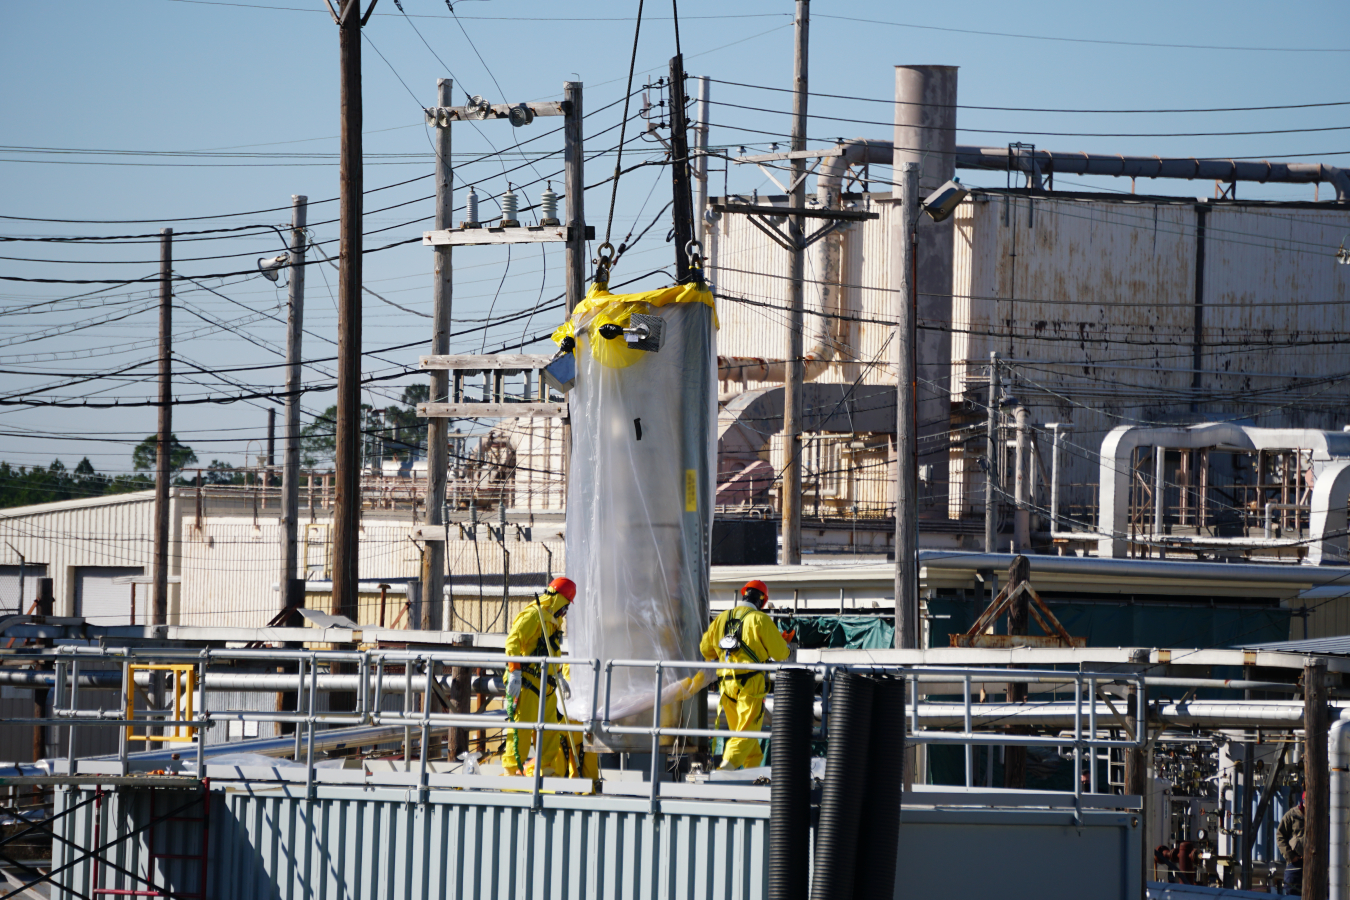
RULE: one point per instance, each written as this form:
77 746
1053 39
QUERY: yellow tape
690 490
602 308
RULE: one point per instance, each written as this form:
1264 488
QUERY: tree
222 473
143 458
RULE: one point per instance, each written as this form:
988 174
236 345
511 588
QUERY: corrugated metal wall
381 844
1093 303
102 531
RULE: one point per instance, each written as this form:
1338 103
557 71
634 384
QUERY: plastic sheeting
640 492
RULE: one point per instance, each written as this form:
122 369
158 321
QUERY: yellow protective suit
536 631
743 690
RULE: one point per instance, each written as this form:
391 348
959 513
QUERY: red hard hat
756 585
565 586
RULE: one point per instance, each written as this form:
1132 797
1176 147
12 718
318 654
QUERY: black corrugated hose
794 692
846 782
879 842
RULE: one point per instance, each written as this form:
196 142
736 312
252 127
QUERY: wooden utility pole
792 389
906 407
574 185
163 447
1022 482
45 606
991 452
1316 781
438 450
347 506
1015 758
290 468
682 208
271 444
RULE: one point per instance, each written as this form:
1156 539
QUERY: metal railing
423 674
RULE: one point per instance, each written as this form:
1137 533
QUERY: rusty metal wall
1093 306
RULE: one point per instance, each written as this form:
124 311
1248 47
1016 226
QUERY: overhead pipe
1045 162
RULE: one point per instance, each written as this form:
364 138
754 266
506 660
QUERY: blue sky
214 108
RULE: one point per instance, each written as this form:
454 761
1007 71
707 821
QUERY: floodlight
271 266
943 202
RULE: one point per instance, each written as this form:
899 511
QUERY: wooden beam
471 362
492 410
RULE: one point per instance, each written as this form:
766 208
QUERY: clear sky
186 113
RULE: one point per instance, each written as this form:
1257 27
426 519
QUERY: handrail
372 682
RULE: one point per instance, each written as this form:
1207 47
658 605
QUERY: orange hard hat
565 586
756 585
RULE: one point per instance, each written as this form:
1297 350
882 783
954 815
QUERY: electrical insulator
471 209
548 207
510 205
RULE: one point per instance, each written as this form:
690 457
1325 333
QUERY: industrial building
1108 386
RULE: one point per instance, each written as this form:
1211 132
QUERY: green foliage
143 458
392 432
222 473
20 486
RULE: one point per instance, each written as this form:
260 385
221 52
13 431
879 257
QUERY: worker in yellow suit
536 631
744 634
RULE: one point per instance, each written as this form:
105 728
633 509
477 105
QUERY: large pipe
1044 162
1338 884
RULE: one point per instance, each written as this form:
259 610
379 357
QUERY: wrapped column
639 497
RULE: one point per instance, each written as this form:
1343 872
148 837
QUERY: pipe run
1047 162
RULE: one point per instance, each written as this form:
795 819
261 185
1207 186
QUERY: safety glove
514 682
565 687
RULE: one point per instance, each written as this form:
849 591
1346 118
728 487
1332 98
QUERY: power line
1067 40
1217 109
1177 134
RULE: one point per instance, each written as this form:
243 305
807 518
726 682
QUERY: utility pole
1015 758
906 409
682 208
347 506
291 593
438 450
792 388
45 606
701 160
1316 781
1021 483
271 442
991 459
163 448
574 185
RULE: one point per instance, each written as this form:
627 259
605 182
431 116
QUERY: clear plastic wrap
640 494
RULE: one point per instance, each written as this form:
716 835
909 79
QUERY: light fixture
271 266
1343 254
943 202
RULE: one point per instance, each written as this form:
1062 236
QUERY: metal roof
1338 645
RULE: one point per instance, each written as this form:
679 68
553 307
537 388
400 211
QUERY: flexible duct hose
845 784
879 842
790 794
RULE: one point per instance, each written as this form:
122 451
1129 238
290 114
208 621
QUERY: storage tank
639 497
